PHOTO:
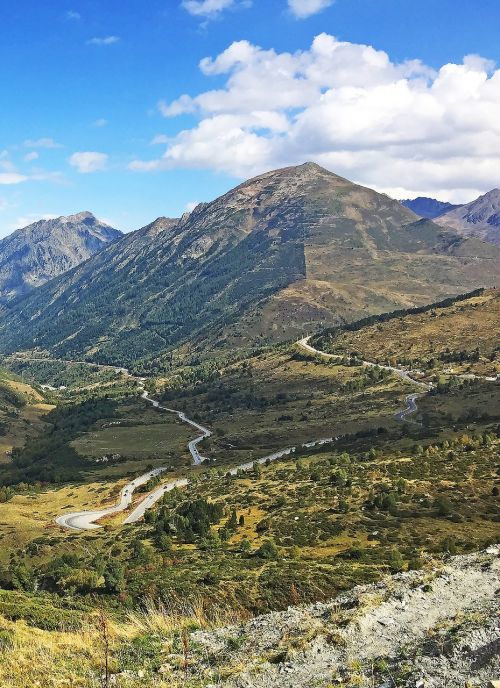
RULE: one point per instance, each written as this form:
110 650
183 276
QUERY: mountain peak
284 182
307 169
313 166
493 195
479 218
84 216
32 255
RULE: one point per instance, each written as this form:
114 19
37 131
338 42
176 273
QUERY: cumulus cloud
88 161
41 143
403 128
103 40
101 122
29 157
73 16
306 8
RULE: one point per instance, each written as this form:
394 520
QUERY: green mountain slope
282 252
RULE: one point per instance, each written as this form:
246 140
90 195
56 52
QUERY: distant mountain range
480 218
428 207
278 255
35 254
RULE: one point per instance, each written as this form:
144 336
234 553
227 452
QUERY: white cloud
191 205
101 122
41 143
29 157
88 161
210 9
397 126
103 40
25 220
8 173
73 16
10 178
306 8
206 8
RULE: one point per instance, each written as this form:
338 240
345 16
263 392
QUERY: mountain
480 218
35 254
277 255
428 207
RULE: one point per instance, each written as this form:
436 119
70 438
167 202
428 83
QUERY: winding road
193 444
411 407
86 520
410 399
400 372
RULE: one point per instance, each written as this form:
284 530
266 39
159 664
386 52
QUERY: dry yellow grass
27 516
29 421
43 659
463 326
35 658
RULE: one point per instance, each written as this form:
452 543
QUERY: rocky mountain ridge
32 255
429 208
479 219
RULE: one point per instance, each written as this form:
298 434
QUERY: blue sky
88 86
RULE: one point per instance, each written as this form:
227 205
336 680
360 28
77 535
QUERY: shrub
442 505
268 550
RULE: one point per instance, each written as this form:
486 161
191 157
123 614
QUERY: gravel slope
439 626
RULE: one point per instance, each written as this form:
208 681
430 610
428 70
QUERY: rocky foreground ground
437 627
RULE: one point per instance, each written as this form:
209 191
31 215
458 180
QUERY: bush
38 612
396 561
268 550
442 505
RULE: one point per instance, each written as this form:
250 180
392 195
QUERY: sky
133 109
